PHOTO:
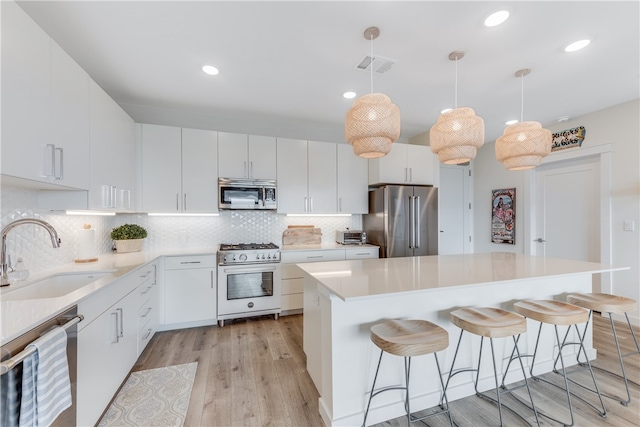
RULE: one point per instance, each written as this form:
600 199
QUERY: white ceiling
284 65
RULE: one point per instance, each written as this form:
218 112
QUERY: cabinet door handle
114 197
61 175
121 333
50 167
245 169
305 204
410 174
116 335
177 201
212 283
251 169
184 205
406 175
339 204
311 204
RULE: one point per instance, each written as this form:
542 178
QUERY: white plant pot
132 245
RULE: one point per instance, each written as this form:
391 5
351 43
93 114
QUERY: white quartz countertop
368 278
19 316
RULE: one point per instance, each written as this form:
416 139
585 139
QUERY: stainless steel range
248 280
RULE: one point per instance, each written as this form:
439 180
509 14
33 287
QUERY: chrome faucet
55 241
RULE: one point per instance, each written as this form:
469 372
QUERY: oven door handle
249 270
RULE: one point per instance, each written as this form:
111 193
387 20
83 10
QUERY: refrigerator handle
412 221
416 217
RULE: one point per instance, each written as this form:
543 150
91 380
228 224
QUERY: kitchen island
343 299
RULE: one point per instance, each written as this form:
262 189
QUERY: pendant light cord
455 104
371 65
521 99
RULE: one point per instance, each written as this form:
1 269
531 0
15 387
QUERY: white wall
619 126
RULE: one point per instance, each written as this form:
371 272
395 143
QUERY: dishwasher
13 353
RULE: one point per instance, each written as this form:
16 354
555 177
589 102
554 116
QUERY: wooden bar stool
607 303
409 338
558 313
492 323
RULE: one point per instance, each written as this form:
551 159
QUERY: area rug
155 397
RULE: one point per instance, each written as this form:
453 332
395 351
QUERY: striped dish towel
46 389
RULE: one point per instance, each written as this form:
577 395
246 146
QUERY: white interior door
454 217
568 209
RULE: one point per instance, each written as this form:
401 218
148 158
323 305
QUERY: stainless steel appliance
351 237
248 281
247 194
15 351
403 220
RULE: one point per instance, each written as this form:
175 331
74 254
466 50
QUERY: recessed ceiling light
349 95
511 122
496 18
446 110
562 119
211 70
577 45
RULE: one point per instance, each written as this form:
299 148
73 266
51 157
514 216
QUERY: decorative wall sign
503 216
568 138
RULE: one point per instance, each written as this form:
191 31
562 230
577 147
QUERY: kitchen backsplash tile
33 244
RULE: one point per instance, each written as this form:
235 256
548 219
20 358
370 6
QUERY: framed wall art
503 216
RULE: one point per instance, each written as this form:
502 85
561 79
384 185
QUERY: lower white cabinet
189 291
293 278
107 349
148 313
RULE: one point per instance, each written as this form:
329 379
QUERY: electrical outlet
629 226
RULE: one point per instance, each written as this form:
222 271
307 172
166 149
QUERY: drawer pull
190 262
147 334
146 313
146 291
316 256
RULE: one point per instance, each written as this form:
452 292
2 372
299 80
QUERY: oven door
248 289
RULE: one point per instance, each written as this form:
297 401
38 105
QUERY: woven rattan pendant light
458 133
523 145
373 122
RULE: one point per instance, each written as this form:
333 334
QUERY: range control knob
243 257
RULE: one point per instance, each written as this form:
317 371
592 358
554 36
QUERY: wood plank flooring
252 372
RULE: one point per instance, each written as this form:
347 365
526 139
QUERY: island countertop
369 278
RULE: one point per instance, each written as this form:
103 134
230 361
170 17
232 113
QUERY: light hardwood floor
252 373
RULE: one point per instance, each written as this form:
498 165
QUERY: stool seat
408 338
552 312
488 321
604 303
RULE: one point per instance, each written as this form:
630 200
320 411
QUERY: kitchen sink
54 286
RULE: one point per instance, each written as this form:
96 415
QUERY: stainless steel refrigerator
403 220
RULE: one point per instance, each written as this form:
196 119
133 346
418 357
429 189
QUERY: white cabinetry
45 106
107 346
405 164
293 278
112 154
179 170
306 176
148 313
189 291
352 181
246 156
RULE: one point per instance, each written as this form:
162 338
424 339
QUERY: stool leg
524 374
593 377
375 377
451 373
624 374
407 406
495 376
475 384
444 394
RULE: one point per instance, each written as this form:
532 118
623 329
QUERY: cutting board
302 235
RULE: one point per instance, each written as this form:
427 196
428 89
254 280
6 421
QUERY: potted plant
128 237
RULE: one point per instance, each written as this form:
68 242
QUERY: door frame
604 153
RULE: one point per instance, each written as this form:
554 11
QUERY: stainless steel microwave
246 194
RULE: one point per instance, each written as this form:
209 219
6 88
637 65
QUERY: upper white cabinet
246 156
352 181
405 164
45 106
179 170
112 154
306 176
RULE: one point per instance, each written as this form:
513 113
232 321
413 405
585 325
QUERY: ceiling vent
380 64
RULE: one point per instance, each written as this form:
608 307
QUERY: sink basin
54 286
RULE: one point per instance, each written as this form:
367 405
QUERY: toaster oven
351 237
